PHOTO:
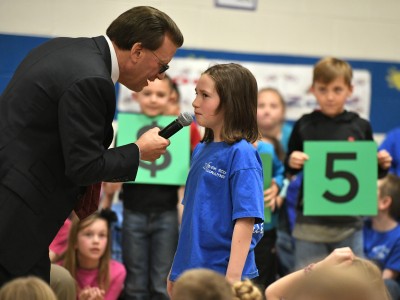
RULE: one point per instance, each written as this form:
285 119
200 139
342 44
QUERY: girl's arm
241 239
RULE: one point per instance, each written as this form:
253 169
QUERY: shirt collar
114 61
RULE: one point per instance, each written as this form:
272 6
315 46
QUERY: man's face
144 65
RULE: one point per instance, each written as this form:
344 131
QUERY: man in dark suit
56 126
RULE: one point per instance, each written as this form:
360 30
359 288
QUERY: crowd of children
240 233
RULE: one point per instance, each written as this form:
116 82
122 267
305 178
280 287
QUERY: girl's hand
297 159
91 293
384 159
270 195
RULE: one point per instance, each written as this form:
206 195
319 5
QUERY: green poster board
267 172
340 178
172 167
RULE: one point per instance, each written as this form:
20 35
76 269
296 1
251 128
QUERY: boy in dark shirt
318 236
150 217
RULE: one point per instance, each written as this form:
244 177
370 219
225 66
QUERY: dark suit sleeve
86 110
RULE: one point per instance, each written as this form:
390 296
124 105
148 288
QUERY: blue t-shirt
225 183
285 135
382 247
391 144
277 174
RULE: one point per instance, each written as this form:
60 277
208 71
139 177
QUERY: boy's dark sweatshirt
347 126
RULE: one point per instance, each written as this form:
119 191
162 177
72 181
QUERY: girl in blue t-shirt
223 201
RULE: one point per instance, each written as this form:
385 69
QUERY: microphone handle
170 130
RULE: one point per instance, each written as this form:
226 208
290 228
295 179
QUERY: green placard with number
267 172
172 167
340 178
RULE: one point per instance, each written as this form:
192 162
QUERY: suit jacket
55 128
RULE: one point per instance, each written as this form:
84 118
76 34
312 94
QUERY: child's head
89 245
226 103
154 98
29 287
389 195
361 280
270 109
202 284
332 85
173 108
246 290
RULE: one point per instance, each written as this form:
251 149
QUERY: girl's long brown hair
70 258
237 90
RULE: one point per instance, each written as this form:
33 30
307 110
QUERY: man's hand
151 145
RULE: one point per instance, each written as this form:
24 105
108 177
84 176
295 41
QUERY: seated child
382 233
88 258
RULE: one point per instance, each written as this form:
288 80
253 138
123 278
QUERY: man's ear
136 50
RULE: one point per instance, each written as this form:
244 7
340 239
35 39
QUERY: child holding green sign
265 251
150 218
317 236
223 201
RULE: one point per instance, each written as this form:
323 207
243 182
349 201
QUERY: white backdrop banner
293 81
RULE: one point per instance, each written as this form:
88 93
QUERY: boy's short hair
390 187
329 68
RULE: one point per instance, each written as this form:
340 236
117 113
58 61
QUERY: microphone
184 119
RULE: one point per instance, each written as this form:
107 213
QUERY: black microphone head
185 119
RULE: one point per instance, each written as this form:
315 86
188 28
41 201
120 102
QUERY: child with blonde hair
246 290
206 284
31 287
341 275
202 284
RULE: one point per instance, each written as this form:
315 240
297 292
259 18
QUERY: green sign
267 172
173 166
340 178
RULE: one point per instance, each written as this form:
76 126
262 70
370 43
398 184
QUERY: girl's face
205 106
153 99
270 111
92 242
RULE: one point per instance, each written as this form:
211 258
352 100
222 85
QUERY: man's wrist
140 153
